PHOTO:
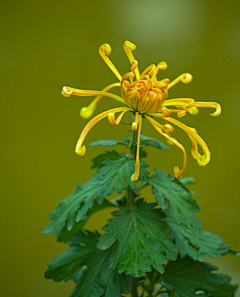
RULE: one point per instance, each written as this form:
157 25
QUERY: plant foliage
144 245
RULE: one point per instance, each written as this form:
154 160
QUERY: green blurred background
45 45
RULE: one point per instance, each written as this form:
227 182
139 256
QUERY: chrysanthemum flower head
147 97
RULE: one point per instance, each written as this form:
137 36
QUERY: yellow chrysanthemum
146 97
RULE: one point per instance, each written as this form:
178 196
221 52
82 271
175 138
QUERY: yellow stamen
80 150
157 126
135 124
128 48
162 66
186 78
111 117
135 175
87 111
104 51
186 102
210 105
83 93
195 139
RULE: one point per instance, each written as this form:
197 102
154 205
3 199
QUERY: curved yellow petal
162 65
135 175
158 127
150 70
80 149
196 140
215 105
185 102
129 48
186 78
135 124
87 93
105 51
87 111
111 117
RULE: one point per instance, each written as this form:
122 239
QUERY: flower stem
152 283
131 196
134 290
133 150
133 145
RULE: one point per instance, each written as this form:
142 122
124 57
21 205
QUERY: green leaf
187 180
71 261
141 238
90 268
172 196
148 141
186 277
197 246
74 207
234 253
66 234
116 175
108 155
107 142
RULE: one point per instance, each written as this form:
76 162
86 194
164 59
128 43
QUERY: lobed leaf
174 197
74 207
141 239
90 268
116 175
199 245
107 142
149 141
108 155
66 234
187 278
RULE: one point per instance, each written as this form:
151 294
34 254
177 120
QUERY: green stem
134 290
133 145
131 195
152 283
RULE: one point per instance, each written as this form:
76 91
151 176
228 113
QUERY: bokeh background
45 45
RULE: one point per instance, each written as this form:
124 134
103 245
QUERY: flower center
146 96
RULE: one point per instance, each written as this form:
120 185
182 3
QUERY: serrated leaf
186 277
66 234
74 207
141 238
90 268
173 197
71 261
197 246
116 175
107 142
108 155
149 141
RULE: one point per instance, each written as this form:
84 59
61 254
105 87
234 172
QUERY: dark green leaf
90 268
66 234
234 253
116 175
71 261
148 141
197 246
172 196
107 142
108 155
141 237
74 207
186 277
